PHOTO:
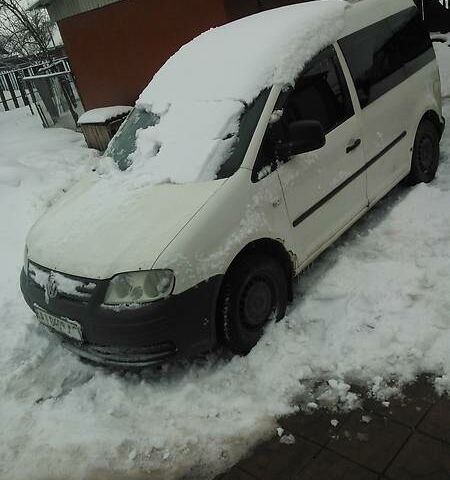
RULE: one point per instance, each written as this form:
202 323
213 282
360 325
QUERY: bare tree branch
24 32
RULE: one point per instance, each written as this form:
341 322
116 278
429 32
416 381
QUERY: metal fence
47 89
14 93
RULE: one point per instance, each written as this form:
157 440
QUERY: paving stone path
408 439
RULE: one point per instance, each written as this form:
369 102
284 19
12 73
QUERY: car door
325 189
373 57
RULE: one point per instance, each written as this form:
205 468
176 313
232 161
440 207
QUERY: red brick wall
268 4
241 8
114 51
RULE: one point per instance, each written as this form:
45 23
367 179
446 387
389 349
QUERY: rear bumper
180 326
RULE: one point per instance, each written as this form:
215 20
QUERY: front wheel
425 157
255 291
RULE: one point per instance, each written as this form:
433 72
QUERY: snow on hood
201 91
96 230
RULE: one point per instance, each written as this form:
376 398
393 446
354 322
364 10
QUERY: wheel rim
426 154
257 302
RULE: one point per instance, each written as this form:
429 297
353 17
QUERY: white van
253 149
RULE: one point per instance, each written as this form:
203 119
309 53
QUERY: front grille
59 285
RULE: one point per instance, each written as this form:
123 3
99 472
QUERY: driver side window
320 94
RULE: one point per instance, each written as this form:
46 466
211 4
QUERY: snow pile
441 43
201 91
36 167
102 115
373 311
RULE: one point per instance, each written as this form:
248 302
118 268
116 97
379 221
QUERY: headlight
140 287
25 260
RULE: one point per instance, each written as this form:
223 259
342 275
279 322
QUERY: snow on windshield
201 91
182 149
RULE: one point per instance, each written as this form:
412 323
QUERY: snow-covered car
254 148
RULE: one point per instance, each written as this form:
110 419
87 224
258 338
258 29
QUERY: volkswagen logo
51 287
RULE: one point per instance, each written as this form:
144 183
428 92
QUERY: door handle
354 145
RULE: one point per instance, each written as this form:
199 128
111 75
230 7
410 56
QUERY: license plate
67 327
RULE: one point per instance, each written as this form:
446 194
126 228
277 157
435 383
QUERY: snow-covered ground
373 310
441 44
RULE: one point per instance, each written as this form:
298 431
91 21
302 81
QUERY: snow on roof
201 91
101 115
240 59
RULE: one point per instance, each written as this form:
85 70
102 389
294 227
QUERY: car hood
93 234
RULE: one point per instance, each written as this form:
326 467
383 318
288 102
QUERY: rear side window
373 58
378 54
414 42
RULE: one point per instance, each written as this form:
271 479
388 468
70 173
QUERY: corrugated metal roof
32 4
59 9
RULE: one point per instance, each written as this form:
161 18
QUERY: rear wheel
425 157
255 290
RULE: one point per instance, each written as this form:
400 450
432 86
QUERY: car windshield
124 142
123 145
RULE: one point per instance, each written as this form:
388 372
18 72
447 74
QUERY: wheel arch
415 175
273 248
433 117
267 246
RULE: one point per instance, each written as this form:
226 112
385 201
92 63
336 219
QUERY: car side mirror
303 136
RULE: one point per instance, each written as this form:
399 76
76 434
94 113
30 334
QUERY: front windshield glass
124 144
247 126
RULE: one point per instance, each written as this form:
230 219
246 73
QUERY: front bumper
180 326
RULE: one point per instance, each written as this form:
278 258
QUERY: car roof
366 12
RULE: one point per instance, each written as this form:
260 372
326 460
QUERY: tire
254 291
425 157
